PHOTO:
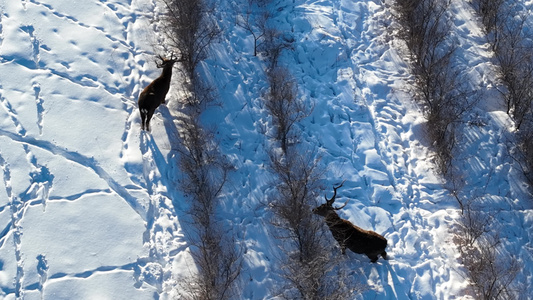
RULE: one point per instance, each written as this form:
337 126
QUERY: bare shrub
204 174
427 28
298 183
284 105
442 91
309 266
191 30
515 62
490 271
525 155
274 44
254 23
490 12
504 24
491 274
318 279
218 262
204 169
474 222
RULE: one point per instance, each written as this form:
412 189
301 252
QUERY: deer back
349 235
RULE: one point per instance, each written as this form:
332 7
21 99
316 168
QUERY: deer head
163 62
326 208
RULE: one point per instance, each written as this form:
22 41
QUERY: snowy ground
88 204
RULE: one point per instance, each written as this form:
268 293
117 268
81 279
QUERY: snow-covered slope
89 207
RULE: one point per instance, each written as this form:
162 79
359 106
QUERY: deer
154 94
348 235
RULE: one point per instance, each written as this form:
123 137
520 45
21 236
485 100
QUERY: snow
89 205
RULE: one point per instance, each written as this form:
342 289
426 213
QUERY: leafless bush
318 279
298 183
525 156
474 222
491 14
515 62
426 32
254 22
442 91
274 44
191 30
504 22
284 105
491 273
308 265
204 174
204 169
219 264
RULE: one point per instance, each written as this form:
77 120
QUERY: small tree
309 265
204 174
491 272
255 25
284 105
191 30
218 263
442 91
504 23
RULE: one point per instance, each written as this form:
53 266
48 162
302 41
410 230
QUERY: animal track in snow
84 161
41 183
81 24
35 44
42 270
10 110
15 228
40 108
162 236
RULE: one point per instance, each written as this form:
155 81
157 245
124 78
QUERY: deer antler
341 207
159 63
330 201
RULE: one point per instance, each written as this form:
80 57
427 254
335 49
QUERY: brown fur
154 94
350 236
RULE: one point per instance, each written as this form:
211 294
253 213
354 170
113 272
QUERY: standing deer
348 235
154 94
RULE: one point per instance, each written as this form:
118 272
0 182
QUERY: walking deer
348 235
154 94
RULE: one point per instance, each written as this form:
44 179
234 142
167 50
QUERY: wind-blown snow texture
89 207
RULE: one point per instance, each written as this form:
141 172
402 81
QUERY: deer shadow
162 189
167 164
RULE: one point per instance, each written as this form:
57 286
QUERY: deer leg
143 118
373 258
148 118
147 127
